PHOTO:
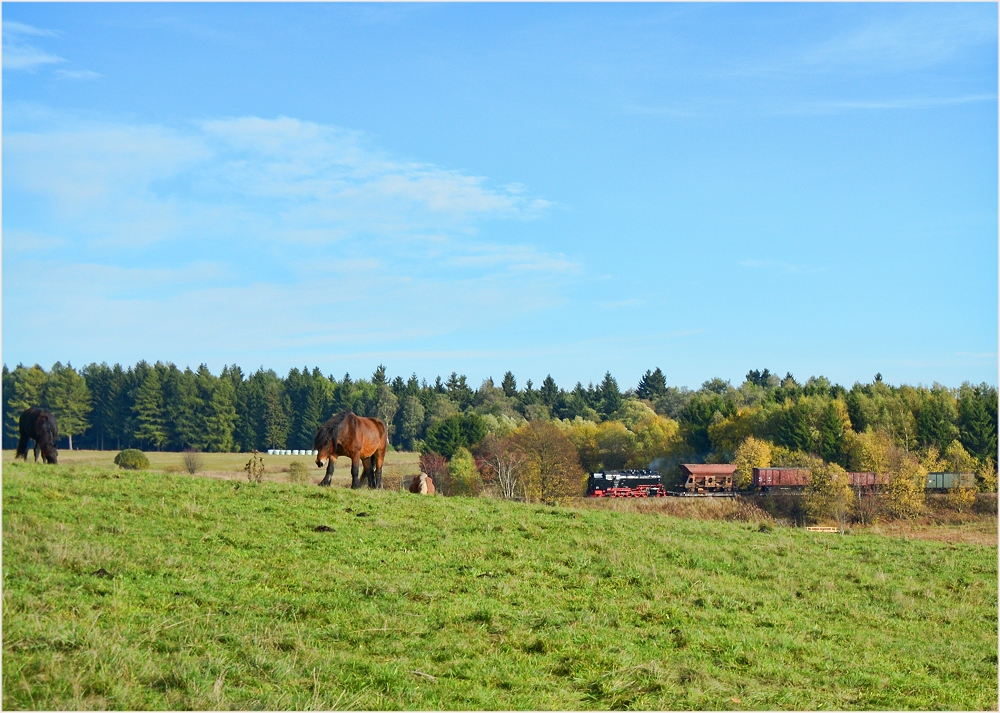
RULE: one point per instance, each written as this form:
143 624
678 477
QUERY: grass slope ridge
144 590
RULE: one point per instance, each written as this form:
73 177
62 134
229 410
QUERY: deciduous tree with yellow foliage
751 453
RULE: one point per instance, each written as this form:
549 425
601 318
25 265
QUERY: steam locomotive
625 484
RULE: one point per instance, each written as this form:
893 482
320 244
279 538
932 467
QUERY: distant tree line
161 407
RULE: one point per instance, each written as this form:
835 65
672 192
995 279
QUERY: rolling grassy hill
157 590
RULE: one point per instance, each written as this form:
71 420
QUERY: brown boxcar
705 477
868 479
780 477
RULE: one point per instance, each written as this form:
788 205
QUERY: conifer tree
67 395
509 385
148 410
409 422
103 390
276 422
831 432
652 385
27 389
977 419
413 385
220 417
459 390
610 396
936 418
311 414
548 394
184 408
8 384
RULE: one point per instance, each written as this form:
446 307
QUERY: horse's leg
331 462
22 448
366 473
372 475
355 467
378 459
36 450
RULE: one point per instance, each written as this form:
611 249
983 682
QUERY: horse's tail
27 427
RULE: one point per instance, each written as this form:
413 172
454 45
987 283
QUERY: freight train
767 478
717 479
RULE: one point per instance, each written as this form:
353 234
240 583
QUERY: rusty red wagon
781 477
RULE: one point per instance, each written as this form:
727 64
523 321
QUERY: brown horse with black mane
356 437
38 424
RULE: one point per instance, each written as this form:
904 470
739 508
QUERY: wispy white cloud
11 28
266 225
276 181
330 176
925 36
25 57
665 111
210 310
515 257
19 54
782 267
916 40
623 304
842 106
77 74
31 241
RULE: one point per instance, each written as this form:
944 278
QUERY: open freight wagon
766 478
707 477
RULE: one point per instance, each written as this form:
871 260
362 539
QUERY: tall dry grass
732 509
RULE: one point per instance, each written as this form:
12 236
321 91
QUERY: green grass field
228 466
136 590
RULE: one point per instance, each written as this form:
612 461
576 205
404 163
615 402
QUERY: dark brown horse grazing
356 437
39 425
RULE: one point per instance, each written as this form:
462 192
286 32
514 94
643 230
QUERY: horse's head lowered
50 454
325 443
46 434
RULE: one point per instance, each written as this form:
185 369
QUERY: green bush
132 459
297 472
463 477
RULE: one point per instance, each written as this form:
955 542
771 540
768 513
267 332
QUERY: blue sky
557 189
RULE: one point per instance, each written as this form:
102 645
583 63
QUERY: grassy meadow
227 466
153 590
